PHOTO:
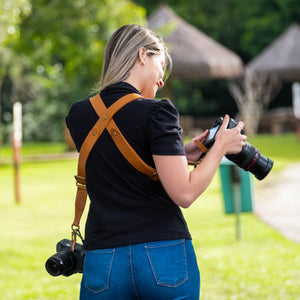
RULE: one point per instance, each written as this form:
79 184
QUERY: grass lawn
263 265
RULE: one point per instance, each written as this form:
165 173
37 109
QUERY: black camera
66 262
249 159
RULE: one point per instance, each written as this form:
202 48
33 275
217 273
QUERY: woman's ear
142 55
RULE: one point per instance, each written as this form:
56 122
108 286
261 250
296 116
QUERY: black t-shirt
126 206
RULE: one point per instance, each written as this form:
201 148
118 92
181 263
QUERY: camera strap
105 121
200 146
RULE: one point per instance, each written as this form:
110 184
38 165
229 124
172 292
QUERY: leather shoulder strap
105 115
124 147
105 121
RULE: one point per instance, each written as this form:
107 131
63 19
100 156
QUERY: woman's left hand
192 152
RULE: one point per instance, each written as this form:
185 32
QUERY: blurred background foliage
51 54
52 51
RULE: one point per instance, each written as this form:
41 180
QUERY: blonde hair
122 52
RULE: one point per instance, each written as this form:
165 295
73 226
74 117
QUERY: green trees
55 56
51 51
246 27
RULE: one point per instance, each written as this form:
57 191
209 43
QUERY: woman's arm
184 186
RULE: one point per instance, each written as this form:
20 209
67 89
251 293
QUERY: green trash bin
245 187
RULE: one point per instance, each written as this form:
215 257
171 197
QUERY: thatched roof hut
194 54
282 57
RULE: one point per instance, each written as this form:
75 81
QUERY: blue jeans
148 271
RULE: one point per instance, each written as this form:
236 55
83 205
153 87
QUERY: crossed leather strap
105 121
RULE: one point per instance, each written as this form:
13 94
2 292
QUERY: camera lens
60 263
54 266
261 166
250 159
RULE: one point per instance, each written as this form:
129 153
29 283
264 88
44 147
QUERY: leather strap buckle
80 181
154 176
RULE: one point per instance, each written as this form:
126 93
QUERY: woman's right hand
231 141
185 186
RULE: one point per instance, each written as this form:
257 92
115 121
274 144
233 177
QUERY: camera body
66 262
249 159
213 131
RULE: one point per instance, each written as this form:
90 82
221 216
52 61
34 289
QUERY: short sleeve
165 131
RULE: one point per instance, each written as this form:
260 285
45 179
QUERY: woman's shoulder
81 112
158 105
165 108
79 105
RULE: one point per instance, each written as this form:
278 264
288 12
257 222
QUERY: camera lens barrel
61 263
250 159
54 266
261 167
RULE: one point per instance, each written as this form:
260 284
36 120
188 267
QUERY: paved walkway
277 201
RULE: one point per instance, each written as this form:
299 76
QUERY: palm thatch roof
194 54
282 57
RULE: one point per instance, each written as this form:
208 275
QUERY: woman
137 241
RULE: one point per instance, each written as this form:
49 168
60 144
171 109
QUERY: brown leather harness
105 121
